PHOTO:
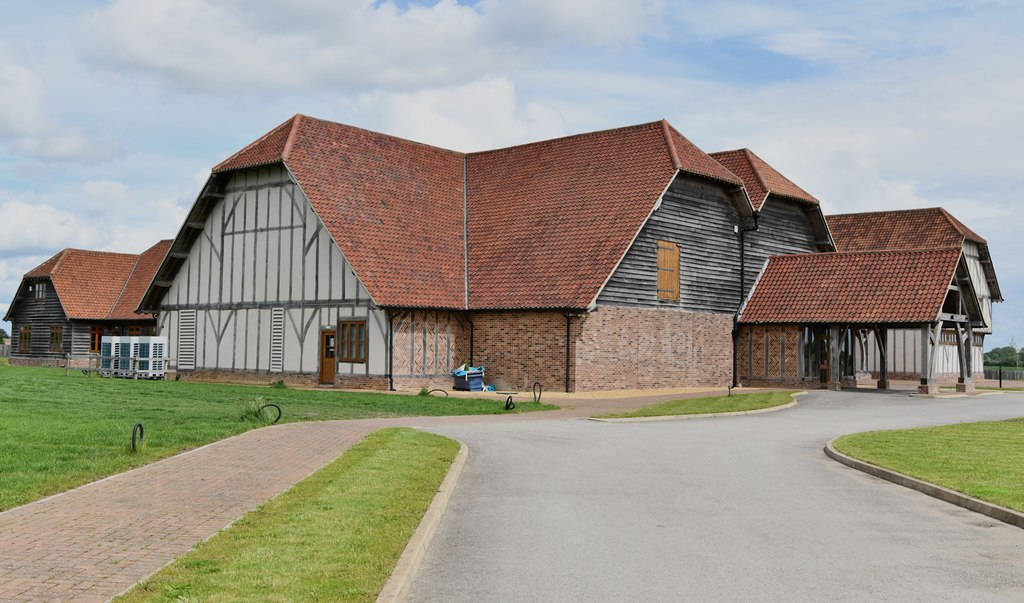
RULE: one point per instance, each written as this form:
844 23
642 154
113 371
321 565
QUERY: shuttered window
352 341
668 271
187 339
276 340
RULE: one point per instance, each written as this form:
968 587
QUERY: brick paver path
96 541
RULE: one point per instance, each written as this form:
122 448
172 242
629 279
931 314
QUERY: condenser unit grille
187 339
277 339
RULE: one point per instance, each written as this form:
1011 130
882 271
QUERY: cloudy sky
112 112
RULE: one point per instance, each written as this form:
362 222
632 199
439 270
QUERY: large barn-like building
325 253
64 306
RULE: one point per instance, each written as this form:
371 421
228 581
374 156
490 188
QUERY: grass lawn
697 406
59 432
335 536
984 460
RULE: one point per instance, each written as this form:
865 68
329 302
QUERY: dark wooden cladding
700 217
40 314
783 229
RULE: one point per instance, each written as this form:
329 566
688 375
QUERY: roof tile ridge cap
941 248
749 156
427 145
110 314
60 260
665 129
296 124
960 227
727 152
253 143
547 141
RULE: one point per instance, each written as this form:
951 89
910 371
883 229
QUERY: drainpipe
391 351
470 321
568 347
741 231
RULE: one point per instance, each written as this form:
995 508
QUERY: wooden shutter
187 339
668 271
276 340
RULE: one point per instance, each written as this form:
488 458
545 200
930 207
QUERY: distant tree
1004 356
3 334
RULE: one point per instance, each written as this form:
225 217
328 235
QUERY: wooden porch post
929 355
882 341
835 374
965 349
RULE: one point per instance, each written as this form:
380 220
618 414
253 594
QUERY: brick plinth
965 388
930 389
248 377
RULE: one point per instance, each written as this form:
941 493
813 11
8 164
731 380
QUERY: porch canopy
929 289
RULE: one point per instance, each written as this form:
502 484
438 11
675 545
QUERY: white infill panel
187 339
277 339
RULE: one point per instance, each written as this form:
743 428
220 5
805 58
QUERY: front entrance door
328 364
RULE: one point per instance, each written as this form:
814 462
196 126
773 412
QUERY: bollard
1000 377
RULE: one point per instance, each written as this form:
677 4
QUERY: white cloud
39 227
21 96
475 116
106 191
238 47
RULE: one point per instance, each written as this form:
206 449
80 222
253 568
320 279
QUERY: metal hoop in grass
509 404
445 392
538 390
274 406
140 432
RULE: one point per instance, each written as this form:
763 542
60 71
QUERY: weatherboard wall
699 217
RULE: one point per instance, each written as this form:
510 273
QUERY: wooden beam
195 225
164 284
179 255
945 317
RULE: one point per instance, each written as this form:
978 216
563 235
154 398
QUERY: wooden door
328 352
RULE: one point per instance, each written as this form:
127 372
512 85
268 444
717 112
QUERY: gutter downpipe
742 231
568 347
391 351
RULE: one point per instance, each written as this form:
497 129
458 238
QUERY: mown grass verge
984 460
59 432
715 404
335 536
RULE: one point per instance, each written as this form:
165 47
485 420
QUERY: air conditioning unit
133 357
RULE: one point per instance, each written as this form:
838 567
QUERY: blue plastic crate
473 381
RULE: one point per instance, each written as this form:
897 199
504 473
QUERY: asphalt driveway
738 508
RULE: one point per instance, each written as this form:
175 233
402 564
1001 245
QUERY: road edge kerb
1014 518
396 589
706 415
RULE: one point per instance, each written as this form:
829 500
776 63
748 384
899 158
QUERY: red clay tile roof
929 228
759 178
902 286
138 282
100 285
548 221
394 208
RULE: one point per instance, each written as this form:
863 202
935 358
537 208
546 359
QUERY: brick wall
520 348
625 348
769 356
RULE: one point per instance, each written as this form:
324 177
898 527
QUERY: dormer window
38 291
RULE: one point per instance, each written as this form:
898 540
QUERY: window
668 271
95 337
56 339
25 340
134 331
352 341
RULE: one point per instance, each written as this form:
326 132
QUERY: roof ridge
376 133
296 121
886 211
255 142
872 252
749 156
567 137
671 145
127 280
